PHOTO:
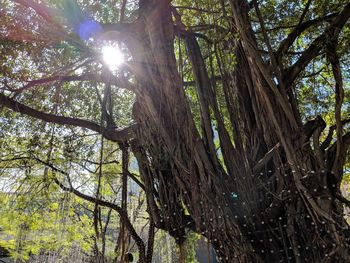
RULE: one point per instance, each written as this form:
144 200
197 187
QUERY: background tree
237 112
49 204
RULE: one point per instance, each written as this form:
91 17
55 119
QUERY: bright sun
112 56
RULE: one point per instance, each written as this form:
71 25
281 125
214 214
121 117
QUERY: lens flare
112 56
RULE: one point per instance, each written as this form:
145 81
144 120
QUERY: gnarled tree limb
110 134
331 32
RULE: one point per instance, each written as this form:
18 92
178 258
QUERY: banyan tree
238 118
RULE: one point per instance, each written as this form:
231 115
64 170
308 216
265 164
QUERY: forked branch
331 33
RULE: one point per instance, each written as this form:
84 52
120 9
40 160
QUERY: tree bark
287 210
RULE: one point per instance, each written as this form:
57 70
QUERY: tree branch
122 213
339 92
41 9
137 181
33 83
286 43
329 137
306 9
195 9
122 11
113 80
109 134
335 162
265 159
331 32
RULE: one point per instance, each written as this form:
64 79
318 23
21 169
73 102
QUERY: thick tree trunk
271 199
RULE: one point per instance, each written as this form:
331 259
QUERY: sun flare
112 56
